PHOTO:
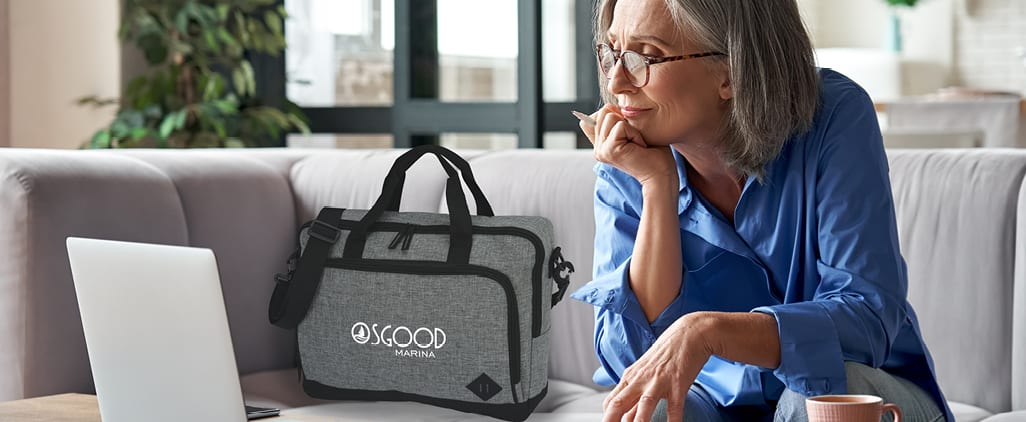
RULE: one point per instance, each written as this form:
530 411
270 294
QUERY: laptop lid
156 332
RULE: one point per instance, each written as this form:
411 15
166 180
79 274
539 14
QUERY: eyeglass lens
634 65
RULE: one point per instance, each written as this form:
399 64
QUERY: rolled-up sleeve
622 332
858 305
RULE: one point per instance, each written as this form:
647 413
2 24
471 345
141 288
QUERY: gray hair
771 68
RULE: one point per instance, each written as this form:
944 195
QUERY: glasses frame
647 60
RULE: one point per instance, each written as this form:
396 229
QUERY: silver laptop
156 331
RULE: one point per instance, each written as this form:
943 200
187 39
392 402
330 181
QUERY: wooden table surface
83 408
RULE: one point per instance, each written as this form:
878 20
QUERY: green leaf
153 48
298 123
234 143
242 29
152 111
225 106
119 129
182 21
180 117
247 70
138 133
273 22
219 127
226 37
101 139
167 126
239 79
222 11
212 44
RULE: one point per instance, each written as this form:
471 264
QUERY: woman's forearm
655 271
746 337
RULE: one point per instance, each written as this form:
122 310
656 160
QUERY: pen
584 118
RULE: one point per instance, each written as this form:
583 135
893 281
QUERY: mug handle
894 409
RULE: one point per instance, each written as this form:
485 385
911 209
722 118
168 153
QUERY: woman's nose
617 81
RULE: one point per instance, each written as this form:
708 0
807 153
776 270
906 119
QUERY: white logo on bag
400 337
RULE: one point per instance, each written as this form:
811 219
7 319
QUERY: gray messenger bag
450 309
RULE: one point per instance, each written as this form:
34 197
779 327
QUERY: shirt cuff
811 362
612 291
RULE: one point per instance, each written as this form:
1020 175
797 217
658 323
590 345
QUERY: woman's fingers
617 405
646 406
675 405
588 130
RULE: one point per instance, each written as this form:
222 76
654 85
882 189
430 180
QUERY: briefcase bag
450 309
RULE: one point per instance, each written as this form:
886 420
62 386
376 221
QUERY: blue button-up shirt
815 245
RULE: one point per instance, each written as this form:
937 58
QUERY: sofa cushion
956 213
1019 416
278 388
281 388
245 221
967 413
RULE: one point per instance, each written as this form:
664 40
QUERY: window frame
414 120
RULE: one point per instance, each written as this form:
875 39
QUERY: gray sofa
958 210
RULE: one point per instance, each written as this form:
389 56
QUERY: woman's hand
619 144
665 371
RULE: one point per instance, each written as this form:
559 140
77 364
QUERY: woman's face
683 101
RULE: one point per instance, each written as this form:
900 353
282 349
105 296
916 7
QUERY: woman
746 251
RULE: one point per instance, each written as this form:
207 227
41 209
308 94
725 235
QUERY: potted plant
895 29
199 89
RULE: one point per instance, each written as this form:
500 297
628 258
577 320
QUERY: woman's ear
726 89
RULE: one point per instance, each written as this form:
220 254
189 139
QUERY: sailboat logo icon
360 333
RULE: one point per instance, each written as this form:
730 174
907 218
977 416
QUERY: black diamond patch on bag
484 387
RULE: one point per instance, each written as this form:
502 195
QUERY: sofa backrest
958 214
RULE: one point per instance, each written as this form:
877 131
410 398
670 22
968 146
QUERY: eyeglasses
635 66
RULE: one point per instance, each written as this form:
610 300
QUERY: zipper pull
398 237
408 238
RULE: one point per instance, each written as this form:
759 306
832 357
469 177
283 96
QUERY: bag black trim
510 412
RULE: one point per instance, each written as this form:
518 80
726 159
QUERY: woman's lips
630 112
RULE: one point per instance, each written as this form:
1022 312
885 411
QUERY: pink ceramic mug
849 408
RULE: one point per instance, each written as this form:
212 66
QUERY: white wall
991 44
5 87
927 61
60 50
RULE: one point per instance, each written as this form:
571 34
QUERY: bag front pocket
424 328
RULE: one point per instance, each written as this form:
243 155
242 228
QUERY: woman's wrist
660 185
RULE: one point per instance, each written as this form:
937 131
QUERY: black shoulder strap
293 294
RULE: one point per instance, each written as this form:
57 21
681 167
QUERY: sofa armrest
45 196
1019 308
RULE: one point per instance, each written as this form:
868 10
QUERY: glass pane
479 140
339 52
295 140
477 47
558 55
559 140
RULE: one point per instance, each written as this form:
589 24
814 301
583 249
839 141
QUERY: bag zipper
441 268
404 231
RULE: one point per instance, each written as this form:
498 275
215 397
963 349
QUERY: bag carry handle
460 235
397 178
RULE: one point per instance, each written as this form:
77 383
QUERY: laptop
156 332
